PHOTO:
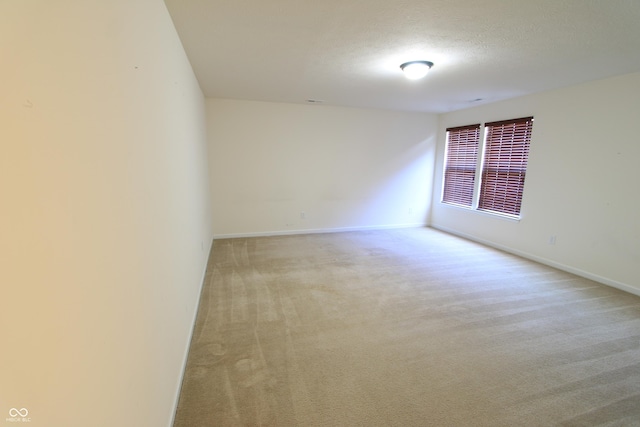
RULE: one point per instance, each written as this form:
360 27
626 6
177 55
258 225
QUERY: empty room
337 213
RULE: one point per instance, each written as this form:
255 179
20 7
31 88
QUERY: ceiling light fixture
416 69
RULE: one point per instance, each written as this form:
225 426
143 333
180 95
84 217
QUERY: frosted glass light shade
416 69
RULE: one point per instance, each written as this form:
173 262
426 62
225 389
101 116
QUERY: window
460 164
506 152
504 165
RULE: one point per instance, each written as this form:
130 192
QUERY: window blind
504 167
460 164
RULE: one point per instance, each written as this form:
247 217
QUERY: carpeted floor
409 327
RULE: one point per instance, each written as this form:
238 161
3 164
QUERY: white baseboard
185 355
315 231
569 269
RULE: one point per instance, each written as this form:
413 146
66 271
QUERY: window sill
482 212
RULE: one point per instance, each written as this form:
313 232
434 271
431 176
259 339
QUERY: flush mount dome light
416 69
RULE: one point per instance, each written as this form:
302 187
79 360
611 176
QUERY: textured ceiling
348 52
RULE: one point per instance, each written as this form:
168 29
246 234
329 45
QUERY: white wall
581 185
345 168
104 211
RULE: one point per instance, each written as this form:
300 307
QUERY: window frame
511 144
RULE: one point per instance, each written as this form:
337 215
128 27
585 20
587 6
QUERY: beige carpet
408 327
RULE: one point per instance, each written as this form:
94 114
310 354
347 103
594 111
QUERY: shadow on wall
405 195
